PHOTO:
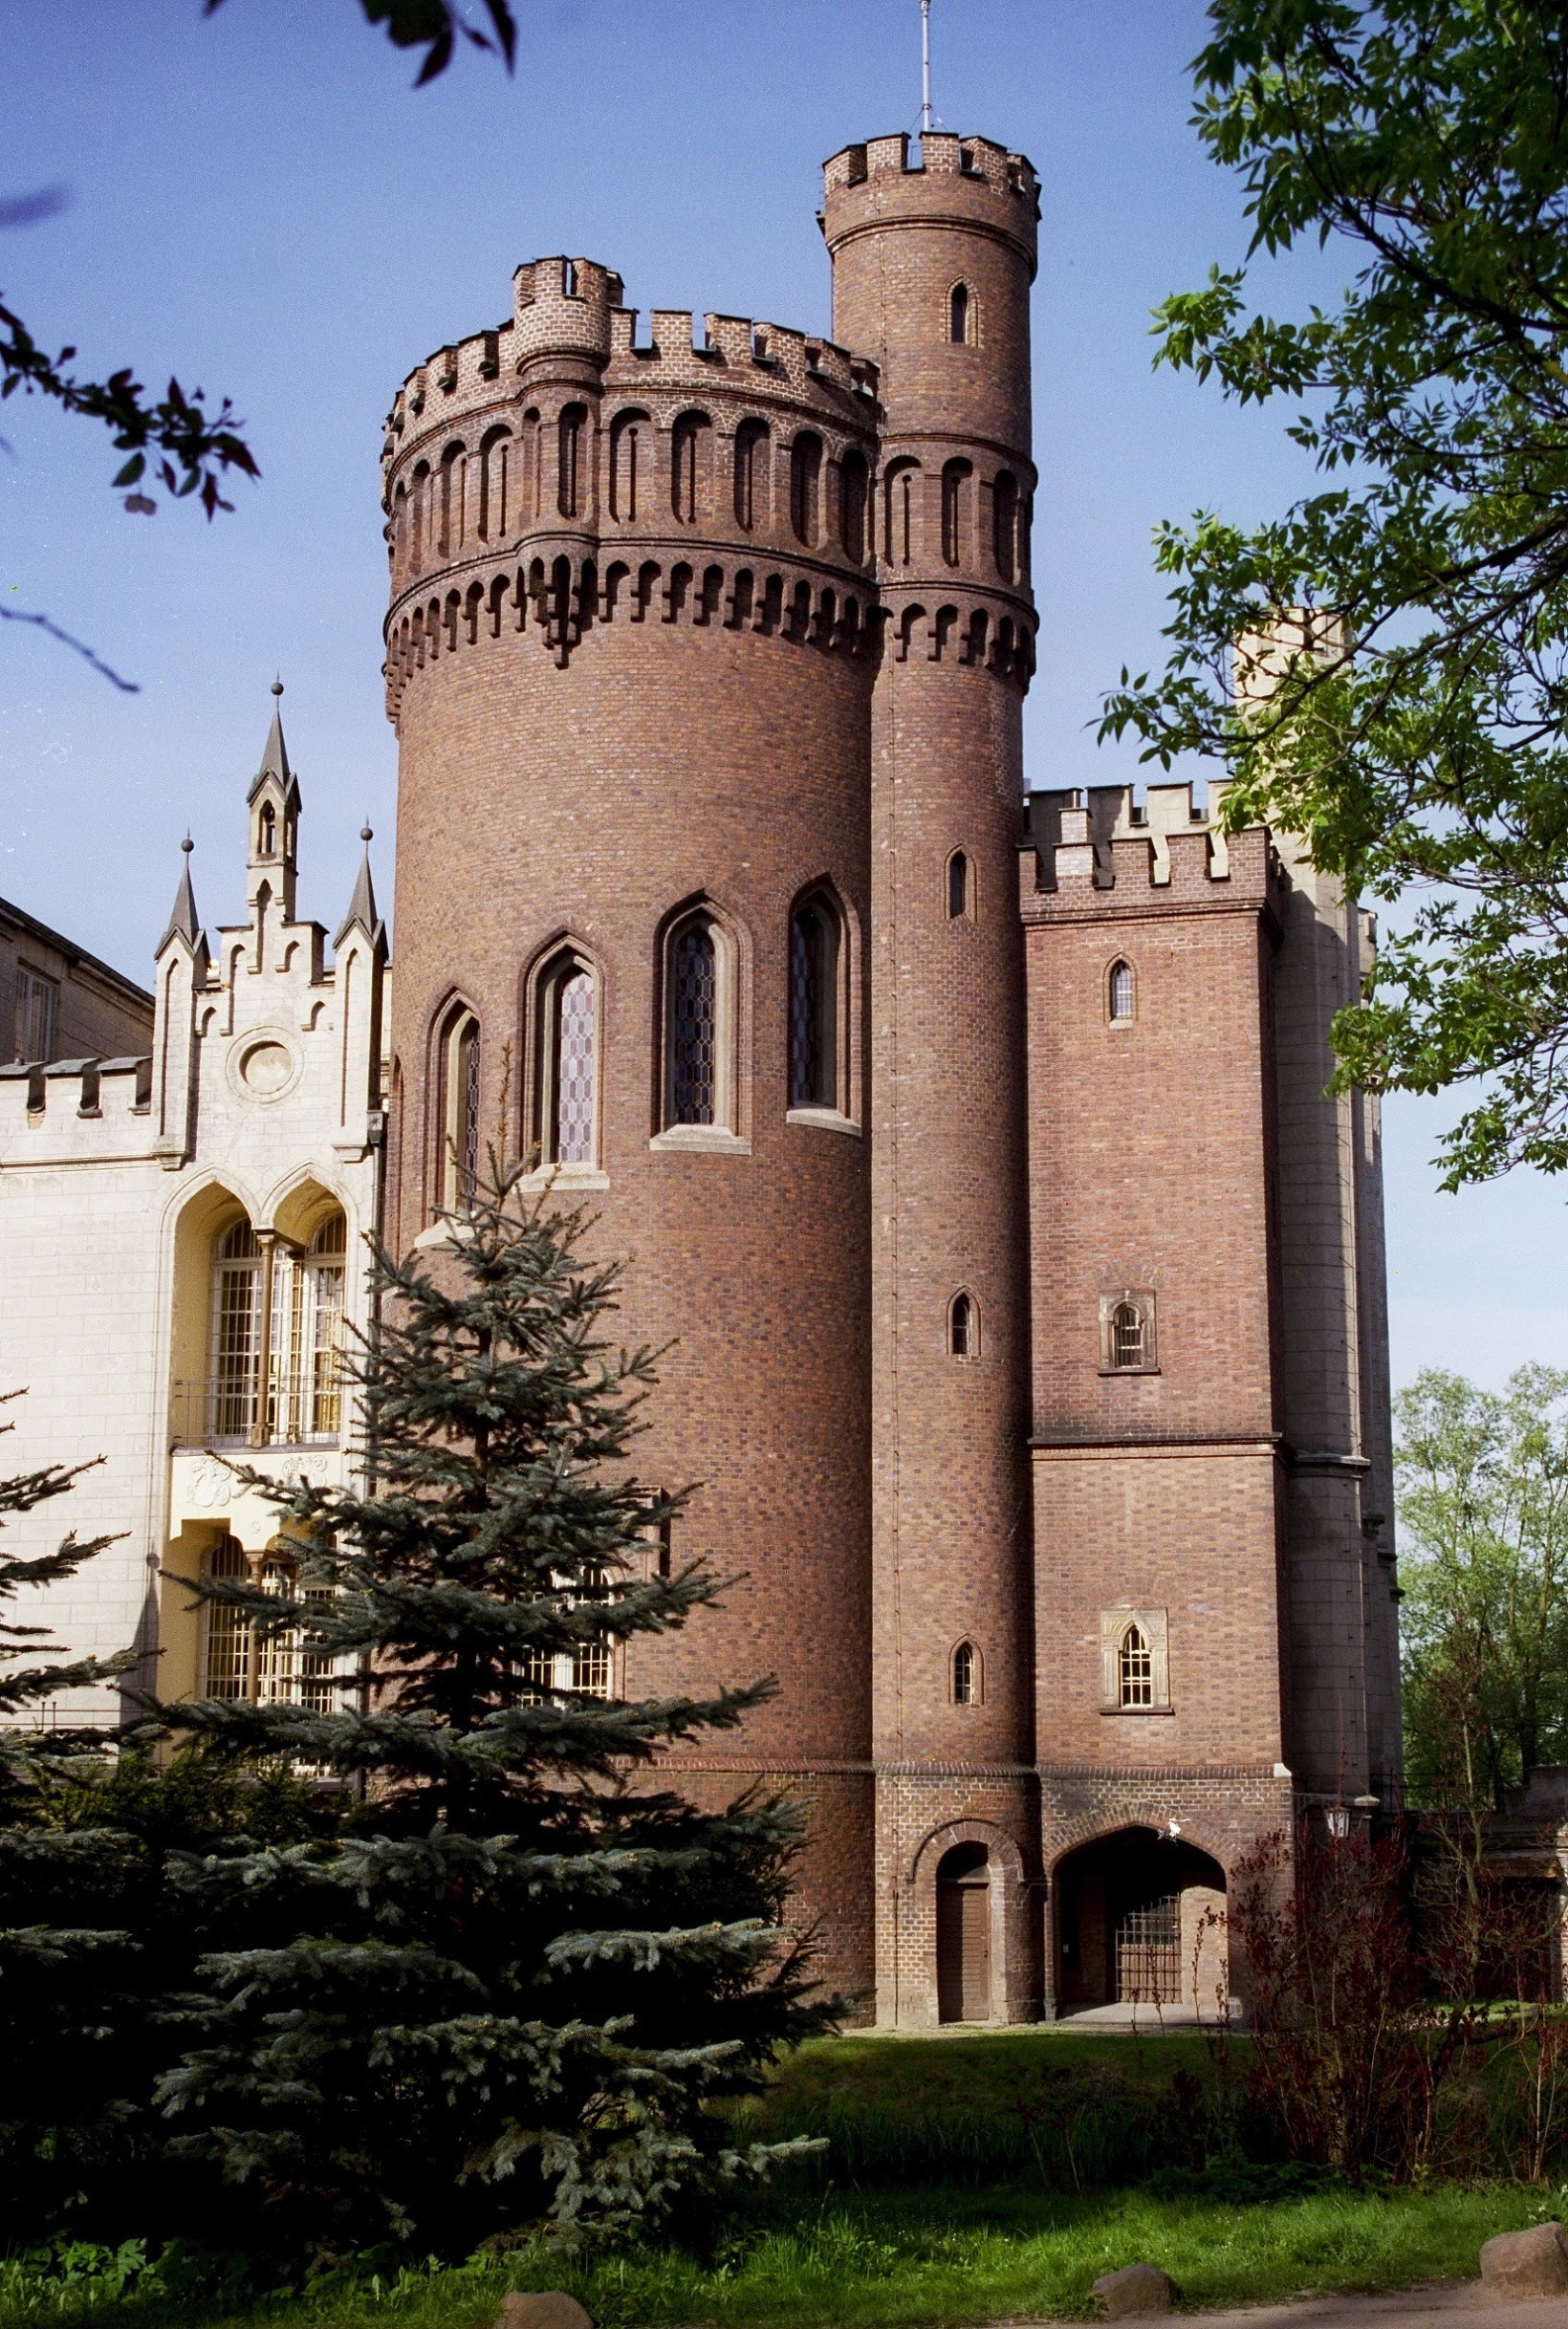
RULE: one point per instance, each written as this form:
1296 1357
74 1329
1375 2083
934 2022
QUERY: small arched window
566 1121
494 479
805 479
852 493
966 1675
955 515
752 475
815 954
574 421
899 517
1004 507
627 438
960 887
459 1122
1120 990
1135 1670
269 832
690 449
1126 1335
958 312
963 1327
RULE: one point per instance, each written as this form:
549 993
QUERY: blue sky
261 203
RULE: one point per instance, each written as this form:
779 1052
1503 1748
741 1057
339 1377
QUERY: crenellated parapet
1101 853
524 468
75 1111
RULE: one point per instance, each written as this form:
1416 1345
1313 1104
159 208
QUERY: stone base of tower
958 1896
830 1905
1137 1865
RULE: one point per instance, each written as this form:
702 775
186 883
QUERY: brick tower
1022 1291
932 271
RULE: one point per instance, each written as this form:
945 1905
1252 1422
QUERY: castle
1024 1288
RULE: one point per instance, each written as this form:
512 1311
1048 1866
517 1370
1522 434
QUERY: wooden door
963 1937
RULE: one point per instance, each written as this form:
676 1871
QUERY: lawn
878 2235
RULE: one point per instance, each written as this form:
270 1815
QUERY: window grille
37 1014
958 886
1136 1669
1121 990
1127 1335
273 1668
227 1662
236 1334
961 1336
1148 1953
693 1026
966 1676
573 1040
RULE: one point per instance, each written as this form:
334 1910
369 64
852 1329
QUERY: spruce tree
511 1997
66 1949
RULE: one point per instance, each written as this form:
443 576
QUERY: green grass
897 2262
950 2195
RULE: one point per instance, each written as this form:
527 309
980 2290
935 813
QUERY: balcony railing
230 1410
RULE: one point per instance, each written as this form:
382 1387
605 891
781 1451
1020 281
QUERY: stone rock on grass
1532 2263
542 2309
1138 2287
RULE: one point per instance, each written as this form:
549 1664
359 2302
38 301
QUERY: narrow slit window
958 312
966 1675
958 886
962 1335
1121 991
1135 1670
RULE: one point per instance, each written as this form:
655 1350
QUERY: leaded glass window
573 1022
1136 1669
1121 990
814 1006
693 1026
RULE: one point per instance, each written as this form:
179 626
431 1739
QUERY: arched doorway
963 1934
1140 1920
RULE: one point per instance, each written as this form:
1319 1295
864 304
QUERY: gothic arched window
1118 991
966 1675
1135 1670
458 1164
566 1123
963 1327
694 1060
958 312
815 1012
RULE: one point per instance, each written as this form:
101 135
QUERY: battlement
1101 848
943 154
75 1109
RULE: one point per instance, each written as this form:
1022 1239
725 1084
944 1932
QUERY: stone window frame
563 956
836 1112
1154 1624
456 1024
1114 1019
1142 1297
970 1326
729 1130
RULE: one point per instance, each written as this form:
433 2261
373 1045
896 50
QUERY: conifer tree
510 1996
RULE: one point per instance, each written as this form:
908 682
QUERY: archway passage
1140 1920
963 1934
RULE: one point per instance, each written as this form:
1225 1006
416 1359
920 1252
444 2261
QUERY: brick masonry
705 621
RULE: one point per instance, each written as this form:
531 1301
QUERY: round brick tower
630 662
705 661
932 271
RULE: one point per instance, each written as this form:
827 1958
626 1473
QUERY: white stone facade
260 1104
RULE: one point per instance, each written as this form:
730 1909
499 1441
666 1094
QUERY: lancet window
458 1164
694 1025
815 1003
567 1120
1135 1670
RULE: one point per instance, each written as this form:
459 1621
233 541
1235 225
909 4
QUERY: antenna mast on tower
924 66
